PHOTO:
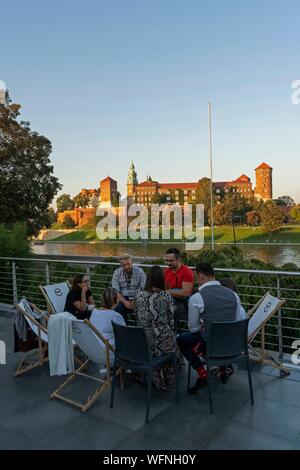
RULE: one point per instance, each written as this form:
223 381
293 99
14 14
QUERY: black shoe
225 373
200 383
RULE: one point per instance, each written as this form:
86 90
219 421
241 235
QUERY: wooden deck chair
55 295
88 338
32 315
259 315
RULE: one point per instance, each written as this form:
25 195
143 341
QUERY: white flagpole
211 180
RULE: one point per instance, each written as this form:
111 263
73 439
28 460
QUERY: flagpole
211 180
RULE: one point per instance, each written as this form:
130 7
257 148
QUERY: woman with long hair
154 309
80 300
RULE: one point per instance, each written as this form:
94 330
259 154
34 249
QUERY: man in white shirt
212 302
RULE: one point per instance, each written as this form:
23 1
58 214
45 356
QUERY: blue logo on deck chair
58 292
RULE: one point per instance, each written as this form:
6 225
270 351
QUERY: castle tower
108 192
264 186
132 181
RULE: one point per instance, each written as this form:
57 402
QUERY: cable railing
22 276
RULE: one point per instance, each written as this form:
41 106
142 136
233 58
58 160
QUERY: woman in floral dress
154 309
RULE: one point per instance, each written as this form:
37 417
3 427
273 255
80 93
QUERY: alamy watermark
295 97
2 352
158 222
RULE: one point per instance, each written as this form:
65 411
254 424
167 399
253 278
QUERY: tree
236 204
52 217
203 196
94 201
295 213
221 215
271 216
116 199
65 203
285 201
14 241
253 217
81 200
68 222
180 197
27 183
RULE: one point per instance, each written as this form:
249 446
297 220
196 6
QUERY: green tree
14 241
295 213
221 215
271 216
181 197
52 217
236 204
285 201
81 200
116 199
65 203
26 174
203 196
156 198
253 217
68 222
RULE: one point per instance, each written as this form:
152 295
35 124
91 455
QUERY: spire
132 175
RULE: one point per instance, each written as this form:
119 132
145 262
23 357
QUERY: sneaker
225 373
200 383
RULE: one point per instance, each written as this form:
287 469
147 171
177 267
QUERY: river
275 254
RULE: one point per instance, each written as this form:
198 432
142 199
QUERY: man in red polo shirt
179 282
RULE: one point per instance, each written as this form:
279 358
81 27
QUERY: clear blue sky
119 80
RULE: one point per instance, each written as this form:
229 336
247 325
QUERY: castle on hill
149 191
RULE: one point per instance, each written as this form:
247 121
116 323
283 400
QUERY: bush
14 241
68 222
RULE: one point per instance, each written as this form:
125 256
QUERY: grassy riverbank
287 234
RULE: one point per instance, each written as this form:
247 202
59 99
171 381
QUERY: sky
119 80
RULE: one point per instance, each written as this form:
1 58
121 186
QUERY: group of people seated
159 302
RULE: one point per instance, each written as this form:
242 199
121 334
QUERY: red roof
178 185
108 178
263 166
242 179
148 183
220 184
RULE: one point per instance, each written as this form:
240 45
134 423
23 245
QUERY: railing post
88 273
14 279
280 342
47 274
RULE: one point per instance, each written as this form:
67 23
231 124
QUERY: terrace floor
30 420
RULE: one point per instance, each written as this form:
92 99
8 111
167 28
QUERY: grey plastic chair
132 351
227 343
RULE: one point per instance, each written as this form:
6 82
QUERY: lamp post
233 218
233 228
211 180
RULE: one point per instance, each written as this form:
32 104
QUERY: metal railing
22 276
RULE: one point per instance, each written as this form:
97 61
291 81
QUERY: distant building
79 216
149 190
108 192
132 181
264 184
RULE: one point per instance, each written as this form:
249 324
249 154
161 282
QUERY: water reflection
277 255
